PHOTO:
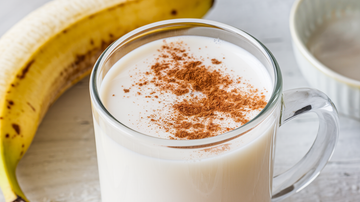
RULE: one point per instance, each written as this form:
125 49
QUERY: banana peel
53 48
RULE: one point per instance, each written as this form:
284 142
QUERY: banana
53 48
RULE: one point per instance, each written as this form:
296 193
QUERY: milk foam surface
134 109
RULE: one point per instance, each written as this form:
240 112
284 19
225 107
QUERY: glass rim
101 109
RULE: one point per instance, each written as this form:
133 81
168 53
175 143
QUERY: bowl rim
307 55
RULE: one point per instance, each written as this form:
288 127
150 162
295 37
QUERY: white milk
238 170
133 109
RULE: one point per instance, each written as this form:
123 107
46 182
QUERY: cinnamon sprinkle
206 96
215 61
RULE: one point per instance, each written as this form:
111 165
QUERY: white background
61 162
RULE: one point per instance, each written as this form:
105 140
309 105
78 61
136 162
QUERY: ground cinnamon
210 98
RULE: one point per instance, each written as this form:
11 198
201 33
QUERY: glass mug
234 166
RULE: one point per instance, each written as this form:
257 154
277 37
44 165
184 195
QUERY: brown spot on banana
91 16
26 69
173 12
16 127
19 199
79 59
7 135
32 107
212 3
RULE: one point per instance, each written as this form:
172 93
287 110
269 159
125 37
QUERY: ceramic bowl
306 16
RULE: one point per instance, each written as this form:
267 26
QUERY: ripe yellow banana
53 48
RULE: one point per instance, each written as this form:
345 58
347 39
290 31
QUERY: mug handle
294 103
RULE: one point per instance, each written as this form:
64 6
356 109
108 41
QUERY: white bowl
306 16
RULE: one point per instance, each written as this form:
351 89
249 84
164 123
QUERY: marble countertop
61 162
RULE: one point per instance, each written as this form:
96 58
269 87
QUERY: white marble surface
61 162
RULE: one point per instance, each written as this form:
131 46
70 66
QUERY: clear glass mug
235 166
